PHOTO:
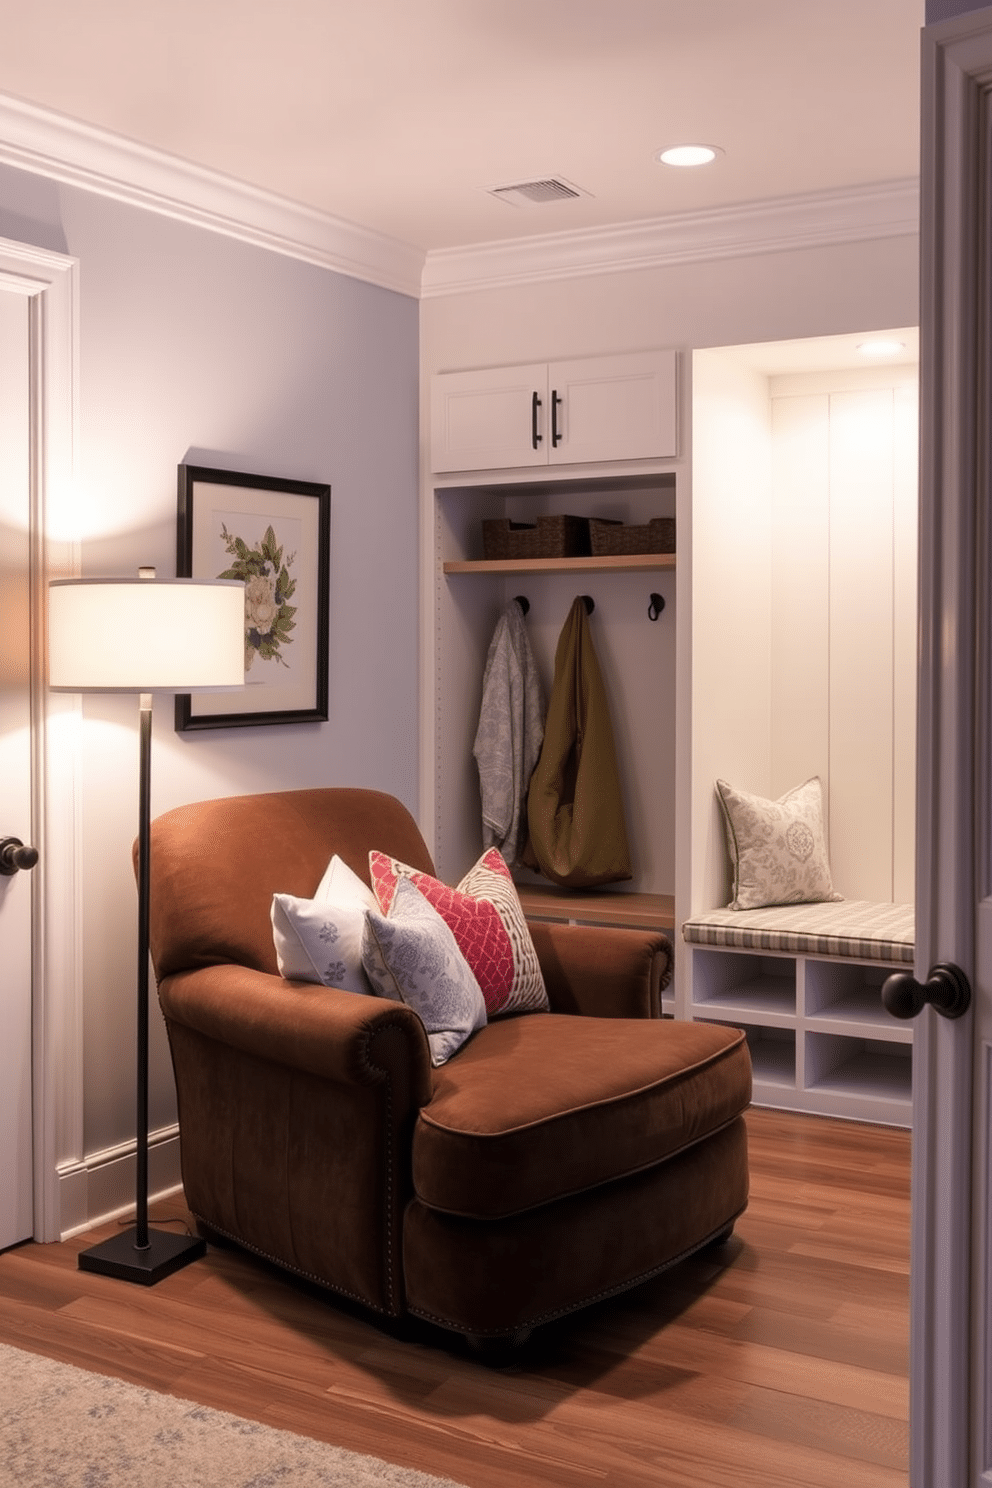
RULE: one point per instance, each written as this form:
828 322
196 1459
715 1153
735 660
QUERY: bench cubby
804 982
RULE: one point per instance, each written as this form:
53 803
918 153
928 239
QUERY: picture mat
280 687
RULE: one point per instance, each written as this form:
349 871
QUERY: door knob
946 988
14 855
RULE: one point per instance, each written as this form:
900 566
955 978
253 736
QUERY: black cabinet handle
556 434
535 437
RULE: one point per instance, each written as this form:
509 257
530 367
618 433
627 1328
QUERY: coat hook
523 602
656 606
589 603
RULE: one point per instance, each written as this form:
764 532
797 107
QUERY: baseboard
102 1185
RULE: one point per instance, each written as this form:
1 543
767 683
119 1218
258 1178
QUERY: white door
16 1210
951 1380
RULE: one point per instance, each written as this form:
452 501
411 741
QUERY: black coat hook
589 603
656 606
523 602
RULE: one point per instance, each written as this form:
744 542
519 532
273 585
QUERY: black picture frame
234 525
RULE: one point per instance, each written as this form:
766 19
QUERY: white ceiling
398 115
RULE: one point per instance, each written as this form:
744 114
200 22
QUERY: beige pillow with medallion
778 849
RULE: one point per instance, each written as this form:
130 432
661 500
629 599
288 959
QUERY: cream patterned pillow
778 851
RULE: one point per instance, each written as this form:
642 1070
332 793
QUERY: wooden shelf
599 907
608 563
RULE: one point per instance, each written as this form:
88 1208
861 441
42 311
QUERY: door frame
949 1415
50 281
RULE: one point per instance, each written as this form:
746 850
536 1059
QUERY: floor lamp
144 635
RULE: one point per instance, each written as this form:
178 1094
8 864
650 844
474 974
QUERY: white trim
885 210
51 280
101 1186
52 145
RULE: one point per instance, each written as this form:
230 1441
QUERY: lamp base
123 1258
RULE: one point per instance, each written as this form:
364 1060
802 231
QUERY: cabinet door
492 419
613 408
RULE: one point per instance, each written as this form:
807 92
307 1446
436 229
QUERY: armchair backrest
216 864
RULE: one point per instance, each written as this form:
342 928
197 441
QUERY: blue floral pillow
411 956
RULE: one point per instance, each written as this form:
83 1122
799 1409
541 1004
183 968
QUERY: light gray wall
196 347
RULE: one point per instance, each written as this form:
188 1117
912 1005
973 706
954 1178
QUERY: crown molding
884 210
78 154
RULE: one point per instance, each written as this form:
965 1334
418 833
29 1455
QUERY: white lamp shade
145 635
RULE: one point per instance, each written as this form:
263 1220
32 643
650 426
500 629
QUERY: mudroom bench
804 982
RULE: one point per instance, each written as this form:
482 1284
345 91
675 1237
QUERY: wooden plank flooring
777 1361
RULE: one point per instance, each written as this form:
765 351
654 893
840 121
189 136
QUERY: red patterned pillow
487 921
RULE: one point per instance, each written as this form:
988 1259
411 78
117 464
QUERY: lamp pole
144 898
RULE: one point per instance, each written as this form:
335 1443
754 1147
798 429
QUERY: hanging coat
508 738
578 834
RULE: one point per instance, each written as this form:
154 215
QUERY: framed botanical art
274 535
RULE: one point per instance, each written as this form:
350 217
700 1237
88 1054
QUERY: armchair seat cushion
535 1108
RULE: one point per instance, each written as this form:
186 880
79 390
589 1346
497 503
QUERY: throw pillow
778 850
488 922
342 885
320 939
410 955
317 941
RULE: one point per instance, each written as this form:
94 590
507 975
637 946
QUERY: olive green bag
575 815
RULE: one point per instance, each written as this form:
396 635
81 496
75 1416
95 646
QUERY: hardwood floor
776 1361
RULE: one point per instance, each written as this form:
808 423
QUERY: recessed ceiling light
689 155
881 348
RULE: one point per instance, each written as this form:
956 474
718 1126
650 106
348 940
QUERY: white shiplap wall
843 615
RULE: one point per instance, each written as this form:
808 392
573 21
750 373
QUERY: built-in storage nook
804 513
633 620
636 654
785 648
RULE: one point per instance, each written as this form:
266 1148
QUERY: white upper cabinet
556 413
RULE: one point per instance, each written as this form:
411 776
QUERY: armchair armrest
334 1035
296 1112
603 971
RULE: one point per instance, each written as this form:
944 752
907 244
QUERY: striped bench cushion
854 927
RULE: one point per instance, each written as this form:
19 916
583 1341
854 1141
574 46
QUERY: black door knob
946 988
14 855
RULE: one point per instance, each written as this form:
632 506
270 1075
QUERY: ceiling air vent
525 193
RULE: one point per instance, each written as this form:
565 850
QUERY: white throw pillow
411 955
778 849
342 885
319 940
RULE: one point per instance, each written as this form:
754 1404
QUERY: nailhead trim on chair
381 1077
614 1291
286 1266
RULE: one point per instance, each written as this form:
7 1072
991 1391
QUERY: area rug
62 1427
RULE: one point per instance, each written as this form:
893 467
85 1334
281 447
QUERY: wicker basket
617 538
552 537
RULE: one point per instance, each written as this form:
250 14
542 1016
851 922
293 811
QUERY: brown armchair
554 1160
